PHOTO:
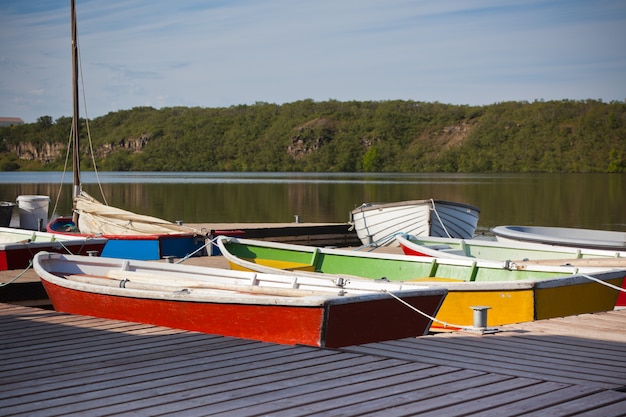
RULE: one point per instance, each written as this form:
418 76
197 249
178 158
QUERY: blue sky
207 53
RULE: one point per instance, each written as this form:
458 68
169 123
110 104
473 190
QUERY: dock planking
60 364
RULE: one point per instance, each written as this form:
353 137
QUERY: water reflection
568 200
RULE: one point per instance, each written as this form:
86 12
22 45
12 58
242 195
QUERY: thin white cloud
221 53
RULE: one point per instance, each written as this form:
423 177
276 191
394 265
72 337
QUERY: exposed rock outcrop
50 151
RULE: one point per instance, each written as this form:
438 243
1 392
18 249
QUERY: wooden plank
524 347
424 350
370 402
586 403
228 396
538 405
530 343
90 366
359 398
201 385
615 409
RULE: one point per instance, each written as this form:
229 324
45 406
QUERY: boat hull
324 319
377 224
564 236
527 301
514 295
18 254
325 326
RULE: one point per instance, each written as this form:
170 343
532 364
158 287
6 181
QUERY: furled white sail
99 219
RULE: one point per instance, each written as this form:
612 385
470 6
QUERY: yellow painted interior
286 265
435 279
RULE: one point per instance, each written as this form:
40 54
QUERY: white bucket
33 210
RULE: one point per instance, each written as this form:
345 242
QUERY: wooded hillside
374 136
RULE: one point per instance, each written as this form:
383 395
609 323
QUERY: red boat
315 311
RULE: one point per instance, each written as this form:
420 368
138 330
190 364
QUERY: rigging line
599 281
428 316
67 157
91 151
440 221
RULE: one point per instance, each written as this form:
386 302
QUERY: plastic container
33 211
6 213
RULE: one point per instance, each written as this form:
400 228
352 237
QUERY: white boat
563 236
316 311
492 250
377 224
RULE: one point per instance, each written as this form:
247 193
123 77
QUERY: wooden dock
59 364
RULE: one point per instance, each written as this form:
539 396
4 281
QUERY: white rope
599 281
445 325
440 221
3 284
189 255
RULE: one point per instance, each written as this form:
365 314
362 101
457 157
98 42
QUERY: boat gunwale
509 232
412 203
558 250
469 262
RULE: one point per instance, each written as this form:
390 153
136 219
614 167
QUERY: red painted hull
331 325
18 256
410 251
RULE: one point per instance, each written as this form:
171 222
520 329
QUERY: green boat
514 293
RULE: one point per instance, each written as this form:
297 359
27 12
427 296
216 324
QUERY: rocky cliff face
45 153
50 151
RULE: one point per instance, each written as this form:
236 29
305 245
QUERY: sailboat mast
75 124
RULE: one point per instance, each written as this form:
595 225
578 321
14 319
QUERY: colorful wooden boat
519 253
514 293
18 246
377 224
316 311
563 236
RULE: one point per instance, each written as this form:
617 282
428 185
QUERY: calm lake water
596 201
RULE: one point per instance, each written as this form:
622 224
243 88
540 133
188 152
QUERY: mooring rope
205 246
599 281
445 324
440 221
30 264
